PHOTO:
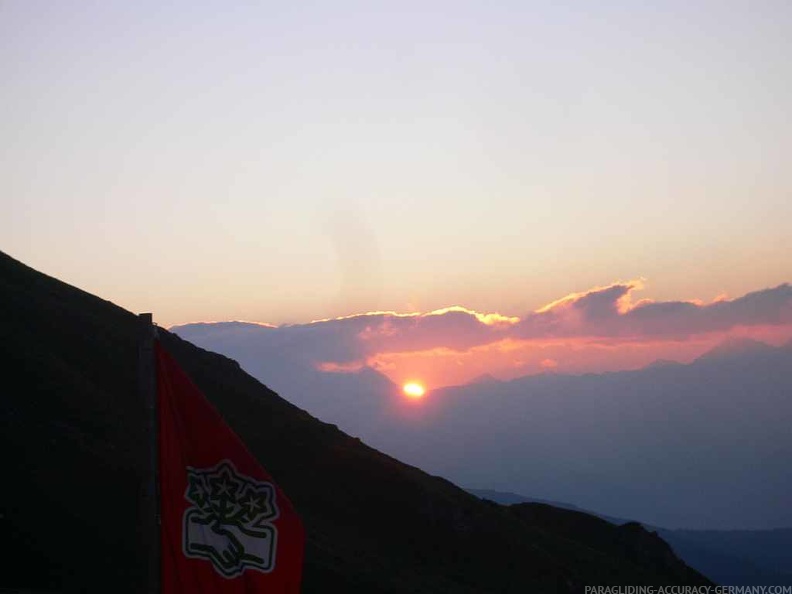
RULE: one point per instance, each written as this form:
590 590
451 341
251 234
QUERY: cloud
454 327
606 314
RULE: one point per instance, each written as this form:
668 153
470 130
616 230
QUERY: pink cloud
456 343
609 312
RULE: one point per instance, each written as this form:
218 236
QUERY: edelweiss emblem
230 520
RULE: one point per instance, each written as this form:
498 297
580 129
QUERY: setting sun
414 390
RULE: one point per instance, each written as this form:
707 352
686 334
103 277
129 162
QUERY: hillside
74 450
729 557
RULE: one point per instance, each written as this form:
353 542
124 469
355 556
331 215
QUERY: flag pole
147 382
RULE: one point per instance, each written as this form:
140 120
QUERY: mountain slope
730 557
74 450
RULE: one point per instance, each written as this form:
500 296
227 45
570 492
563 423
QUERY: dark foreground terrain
74 457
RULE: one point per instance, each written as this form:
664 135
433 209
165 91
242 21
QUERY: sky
289 162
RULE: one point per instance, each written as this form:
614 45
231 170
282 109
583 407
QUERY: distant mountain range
699 446
703 445
74 456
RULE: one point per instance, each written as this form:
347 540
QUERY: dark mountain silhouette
74 451
698 446
505 498
729 557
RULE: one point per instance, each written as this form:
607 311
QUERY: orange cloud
490 319
603 328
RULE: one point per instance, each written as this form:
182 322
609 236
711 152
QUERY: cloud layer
609 312
605 315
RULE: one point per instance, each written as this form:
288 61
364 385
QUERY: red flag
226 526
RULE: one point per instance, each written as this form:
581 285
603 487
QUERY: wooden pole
147 382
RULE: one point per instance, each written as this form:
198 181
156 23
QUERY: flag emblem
226 525
230 520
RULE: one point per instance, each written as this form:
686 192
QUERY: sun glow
413 390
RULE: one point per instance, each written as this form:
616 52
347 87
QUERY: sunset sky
604 329
288 162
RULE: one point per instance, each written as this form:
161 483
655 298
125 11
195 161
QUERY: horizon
601 330
446 347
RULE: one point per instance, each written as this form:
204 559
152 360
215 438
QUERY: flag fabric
225 525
